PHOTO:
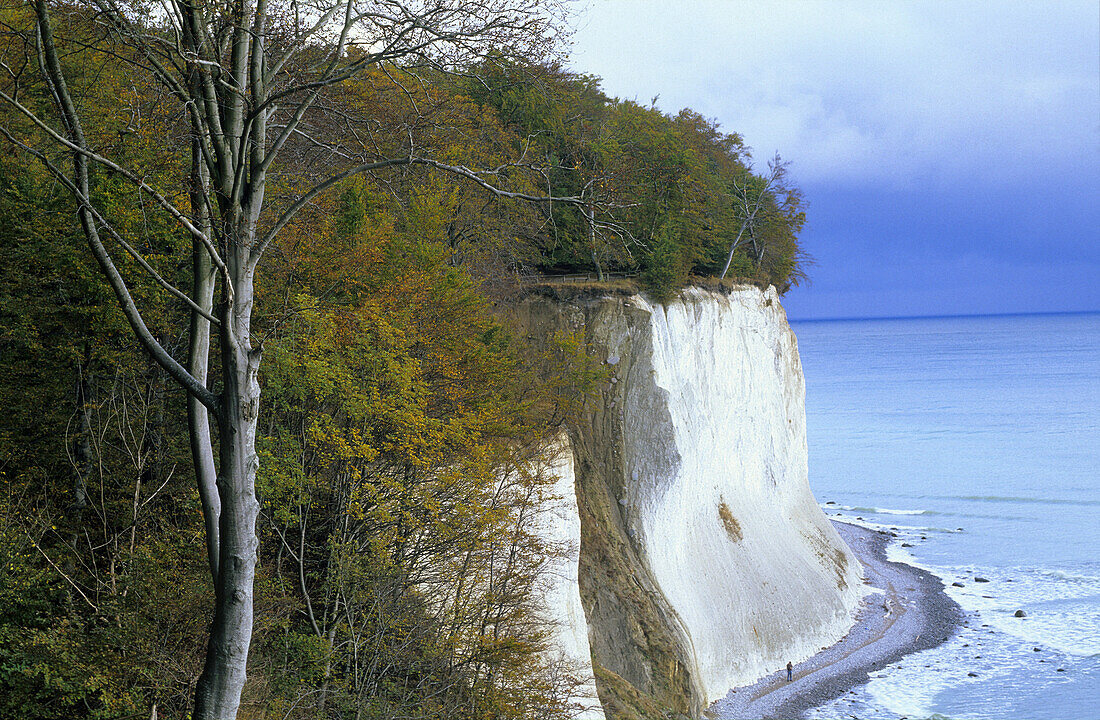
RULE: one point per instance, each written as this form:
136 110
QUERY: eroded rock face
705 561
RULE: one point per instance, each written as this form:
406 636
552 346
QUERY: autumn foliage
404 425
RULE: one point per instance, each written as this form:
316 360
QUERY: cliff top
579 287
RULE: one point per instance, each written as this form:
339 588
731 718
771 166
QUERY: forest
354 192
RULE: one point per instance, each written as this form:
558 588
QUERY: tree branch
132 177
75 192
80 169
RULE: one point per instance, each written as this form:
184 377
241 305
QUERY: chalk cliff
705 561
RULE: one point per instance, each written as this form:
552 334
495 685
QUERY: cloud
900 92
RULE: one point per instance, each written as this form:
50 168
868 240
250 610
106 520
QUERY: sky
949 150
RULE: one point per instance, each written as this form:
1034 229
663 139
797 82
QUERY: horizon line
850 318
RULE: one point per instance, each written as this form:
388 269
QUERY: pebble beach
905 610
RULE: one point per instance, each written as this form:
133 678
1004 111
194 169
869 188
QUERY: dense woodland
402 422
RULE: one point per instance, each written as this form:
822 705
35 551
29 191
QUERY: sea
976 440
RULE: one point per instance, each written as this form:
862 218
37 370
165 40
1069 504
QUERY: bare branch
75 192
54 76
460 170
132 177
67 579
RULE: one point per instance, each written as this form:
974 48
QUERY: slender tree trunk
82 443
198 361
590 214
758 250
736 243
330 645
152 445
218 694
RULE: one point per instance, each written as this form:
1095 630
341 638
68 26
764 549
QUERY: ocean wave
911 531
875 510
916 685
1070 577
982 516
1024 500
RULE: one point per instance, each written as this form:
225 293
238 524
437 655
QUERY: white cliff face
708 562
560 524
716 492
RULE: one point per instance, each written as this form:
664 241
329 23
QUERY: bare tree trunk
774 183
733 247
590 215
198 360
82 447
218 693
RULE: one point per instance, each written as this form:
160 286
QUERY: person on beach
790 670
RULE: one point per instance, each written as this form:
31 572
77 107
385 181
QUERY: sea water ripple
973 441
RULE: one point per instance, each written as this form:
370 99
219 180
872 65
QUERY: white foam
1060 606
896 553
1074 629
914 531
1061 609
921 684
910 686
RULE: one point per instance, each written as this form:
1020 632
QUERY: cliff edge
705 561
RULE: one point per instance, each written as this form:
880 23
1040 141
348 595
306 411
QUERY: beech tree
753 196
255 86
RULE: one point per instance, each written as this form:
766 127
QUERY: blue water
978 439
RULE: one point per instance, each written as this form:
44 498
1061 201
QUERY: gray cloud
898 93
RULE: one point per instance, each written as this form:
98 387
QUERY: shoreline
906 612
